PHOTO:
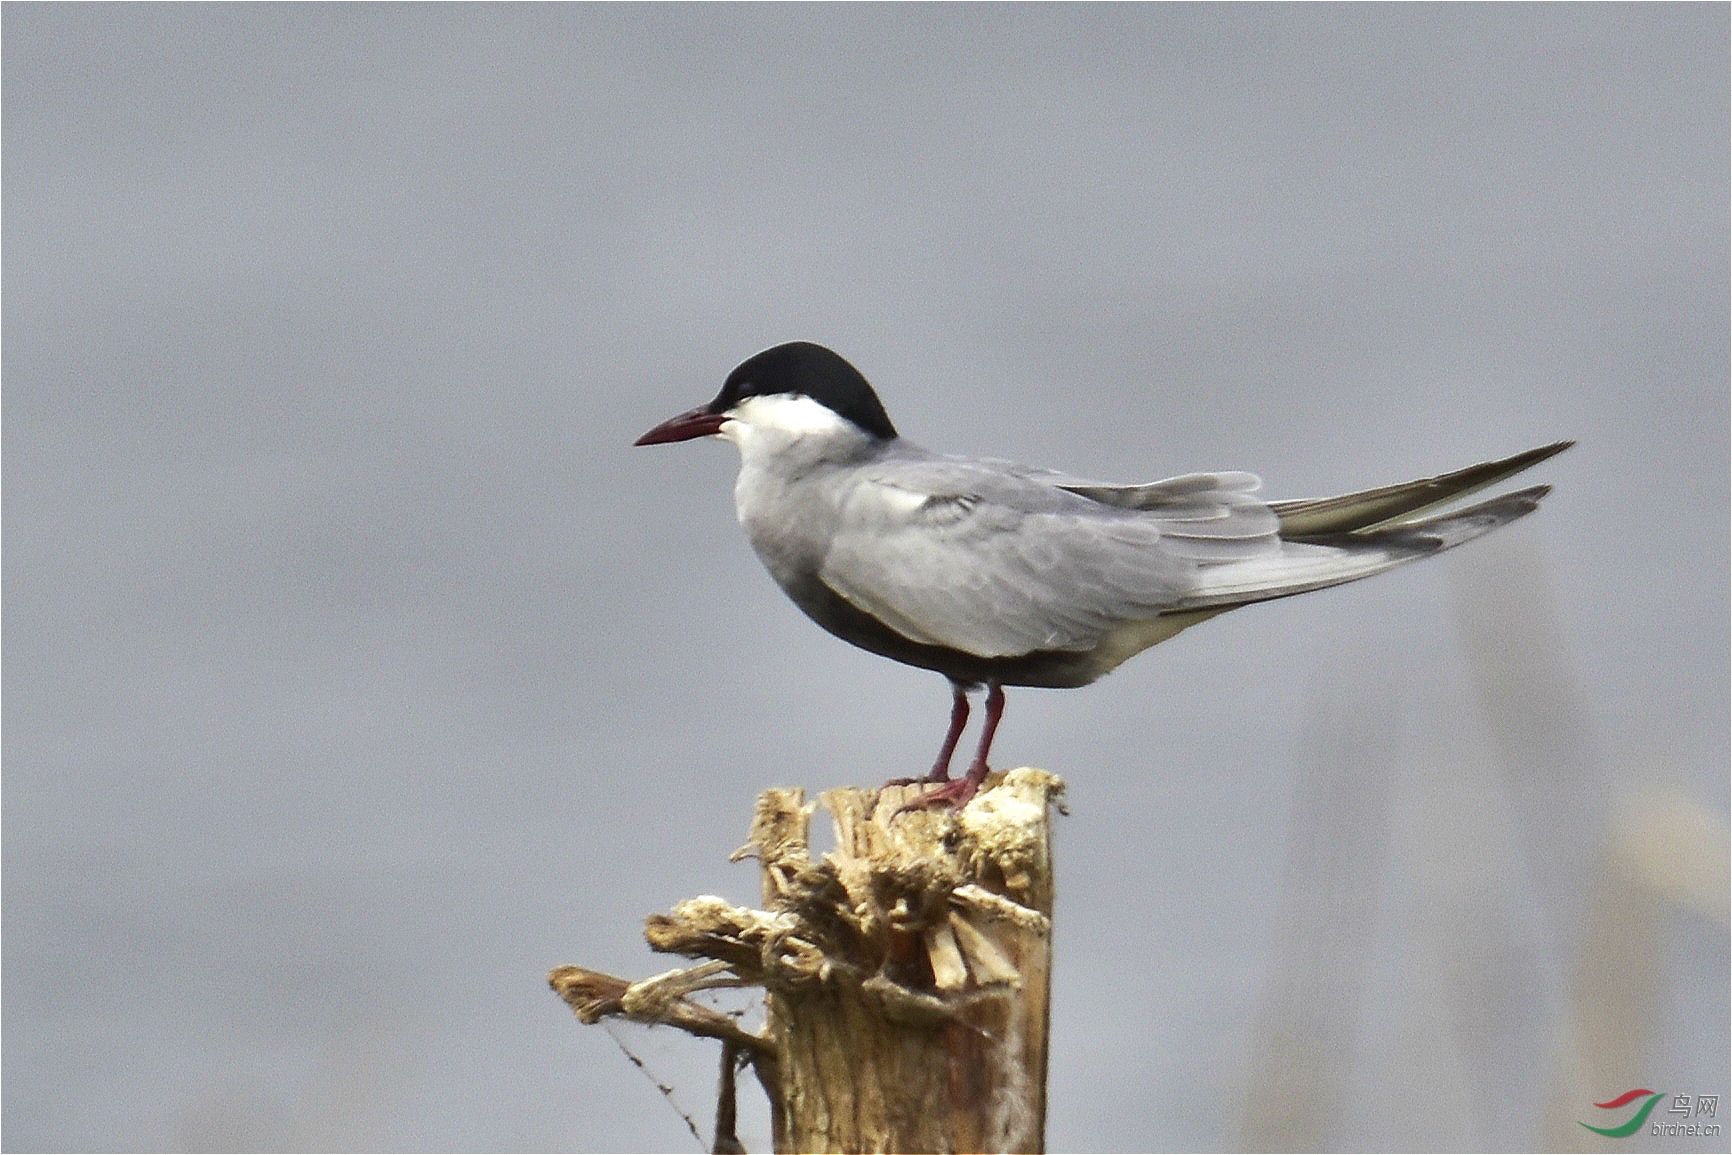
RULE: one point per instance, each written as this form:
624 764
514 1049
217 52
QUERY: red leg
958 720
956 793
994 711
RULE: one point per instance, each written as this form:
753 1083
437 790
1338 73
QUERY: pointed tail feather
1444 530
1371 509
1318 561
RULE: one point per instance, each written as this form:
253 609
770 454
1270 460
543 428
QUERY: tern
996 574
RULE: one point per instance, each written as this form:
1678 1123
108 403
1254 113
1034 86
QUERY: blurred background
358 671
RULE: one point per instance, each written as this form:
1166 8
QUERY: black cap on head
802 368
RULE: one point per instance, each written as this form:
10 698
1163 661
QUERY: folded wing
999 561
995 563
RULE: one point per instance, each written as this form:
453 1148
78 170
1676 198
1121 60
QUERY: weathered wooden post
906 972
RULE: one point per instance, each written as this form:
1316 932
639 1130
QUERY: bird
995 574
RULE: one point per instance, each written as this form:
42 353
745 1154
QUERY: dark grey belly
1054 669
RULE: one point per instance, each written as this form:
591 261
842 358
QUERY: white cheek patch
788 414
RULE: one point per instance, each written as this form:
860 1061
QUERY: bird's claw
954 793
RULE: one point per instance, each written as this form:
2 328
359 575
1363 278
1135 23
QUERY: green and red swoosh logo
1636 1120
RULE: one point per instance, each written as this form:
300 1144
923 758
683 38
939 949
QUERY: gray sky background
358 671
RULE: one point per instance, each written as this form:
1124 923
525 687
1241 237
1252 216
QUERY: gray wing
1209 517
998 562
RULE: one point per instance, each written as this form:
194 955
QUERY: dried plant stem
906 972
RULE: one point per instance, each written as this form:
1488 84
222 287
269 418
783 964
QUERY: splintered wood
906 971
